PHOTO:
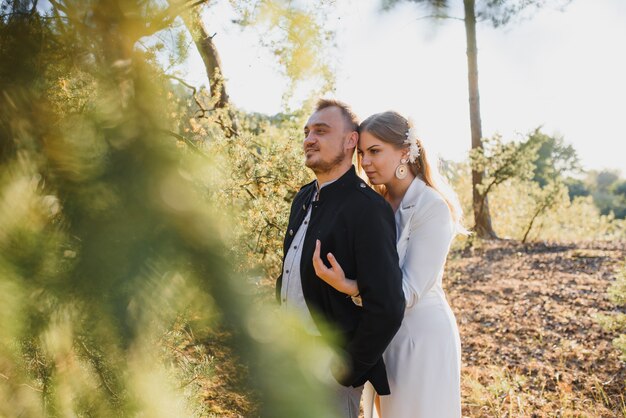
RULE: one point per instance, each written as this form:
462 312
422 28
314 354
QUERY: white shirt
291 294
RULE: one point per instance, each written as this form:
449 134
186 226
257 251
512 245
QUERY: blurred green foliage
608 191
555 158
110 233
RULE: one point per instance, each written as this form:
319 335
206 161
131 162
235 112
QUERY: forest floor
531 343
532 346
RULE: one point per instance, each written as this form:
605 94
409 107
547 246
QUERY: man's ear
352 140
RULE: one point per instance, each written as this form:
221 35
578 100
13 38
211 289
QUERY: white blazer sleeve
428 243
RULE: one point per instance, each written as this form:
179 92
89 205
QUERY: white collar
412 193
409 200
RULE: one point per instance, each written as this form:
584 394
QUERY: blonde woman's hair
392 128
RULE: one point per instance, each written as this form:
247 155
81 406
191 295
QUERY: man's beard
320 167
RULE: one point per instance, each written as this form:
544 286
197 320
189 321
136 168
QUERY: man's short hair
352 121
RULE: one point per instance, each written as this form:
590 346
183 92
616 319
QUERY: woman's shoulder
421 195
431 203
433 197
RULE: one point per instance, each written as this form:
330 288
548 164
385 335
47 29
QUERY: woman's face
378 159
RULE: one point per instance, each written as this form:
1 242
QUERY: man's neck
333 174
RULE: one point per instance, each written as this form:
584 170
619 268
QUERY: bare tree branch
186 140
195 96
440 17
167 16
99 368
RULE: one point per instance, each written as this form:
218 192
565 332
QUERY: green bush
514 202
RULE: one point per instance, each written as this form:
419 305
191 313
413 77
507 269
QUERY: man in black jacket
357 225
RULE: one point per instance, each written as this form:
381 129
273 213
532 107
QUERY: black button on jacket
357 225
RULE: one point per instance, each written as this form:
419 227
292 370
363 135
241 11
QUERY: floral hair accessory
411 140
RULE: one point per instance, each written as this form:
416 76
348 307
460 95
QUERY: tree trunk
482 217
213 65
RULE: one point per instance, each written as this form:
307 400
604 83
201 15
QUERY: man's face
325 139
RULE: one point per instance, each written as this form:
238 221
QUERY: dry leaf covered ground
531 344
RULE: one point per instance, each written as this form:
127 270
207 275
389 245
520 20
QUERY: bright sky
565 70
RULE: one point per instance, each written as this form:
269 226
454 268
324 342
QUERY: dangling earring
402 170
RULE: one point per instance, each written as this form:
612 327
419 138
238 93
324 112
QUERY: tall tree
293 32
482 217
212 64
498 13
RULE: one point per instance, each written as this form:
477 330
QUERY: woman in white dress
423 360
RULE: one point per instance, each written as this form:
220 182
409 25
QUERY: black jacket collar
339 186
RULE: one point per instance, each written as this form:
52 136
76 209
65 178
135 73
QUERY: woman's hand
334 275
